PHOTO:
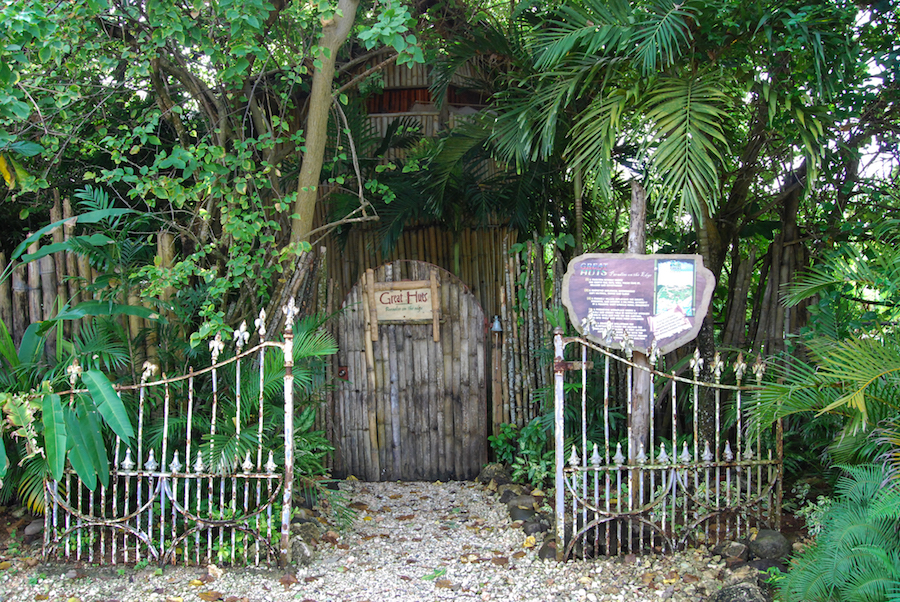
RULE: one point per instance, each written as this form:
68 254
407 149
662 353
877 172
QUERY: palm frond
857 553
479 63
597 132
688 115
448 159
663 34
858 364
224 452
854 378
589 29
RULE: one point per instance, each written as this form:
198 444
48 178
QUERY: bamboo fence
37 290
507 284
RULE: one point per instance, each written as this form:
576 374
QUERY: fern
857 554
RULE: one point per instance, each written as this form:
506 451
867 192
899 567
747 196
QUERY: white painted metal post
290 312
559 442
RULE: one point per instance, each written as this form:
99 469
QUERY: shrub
856 556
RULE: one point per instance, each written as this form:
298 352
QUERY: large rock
764 564
34 527
493 472
308 531
301 552
509 491
522 507
536 525
769 544
740 592
522 501
548 550
732 549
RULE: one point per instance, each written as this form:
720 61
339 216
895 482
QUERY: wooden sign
405 304
652 298
403 301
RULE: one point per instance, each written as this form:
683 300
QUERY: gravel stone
412 541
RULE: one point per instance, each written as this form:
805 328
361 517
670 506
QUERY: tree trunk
641 385
712 249
334 34
579 212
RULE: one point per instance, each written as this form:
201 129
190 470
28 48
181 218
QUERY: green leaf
81 455
105 308
91 217
108 403
7 347
90 420
31 344
25 148
4 461
54 435
94 240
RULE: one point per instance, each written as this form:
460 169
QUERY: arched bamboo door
411 402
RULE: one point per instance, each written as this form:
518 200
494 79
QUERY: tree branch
353 82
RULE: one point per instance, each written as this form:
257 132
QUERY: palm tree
685 96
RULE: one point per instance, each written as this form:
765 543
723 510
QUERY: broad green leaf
105 308
89 418
26 149
95 240
108 403
7 347
4 461
31 344
91 217
54 435
80 453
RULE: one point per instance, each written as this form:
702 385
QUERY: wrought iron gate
662 498
165 501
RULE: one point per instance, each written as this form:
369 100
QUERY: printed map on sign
661 298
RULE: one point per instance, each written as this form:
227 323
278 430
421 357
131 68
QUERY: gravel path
410 541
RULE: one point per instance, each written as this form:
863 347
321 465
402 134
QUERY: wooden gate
412 402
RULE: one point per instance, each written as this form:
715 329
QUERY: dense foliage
856 556
201 117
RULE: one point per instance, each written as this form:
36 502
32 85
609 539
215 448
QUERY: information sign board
405 305
661 298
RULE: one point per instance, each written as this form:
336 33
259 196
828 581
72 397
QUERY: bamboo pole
510 342
331 400
433 249
382 381
6 303
165 249
35 314
516 267
354 400
372 468
19 305
48 298
440 396
71 271
59 258
446 375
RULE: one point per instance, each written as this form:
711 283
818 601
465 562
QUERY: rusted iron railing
664 498
165 501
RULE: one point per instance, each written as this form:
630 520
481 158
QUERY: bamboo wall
38 289
509 285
